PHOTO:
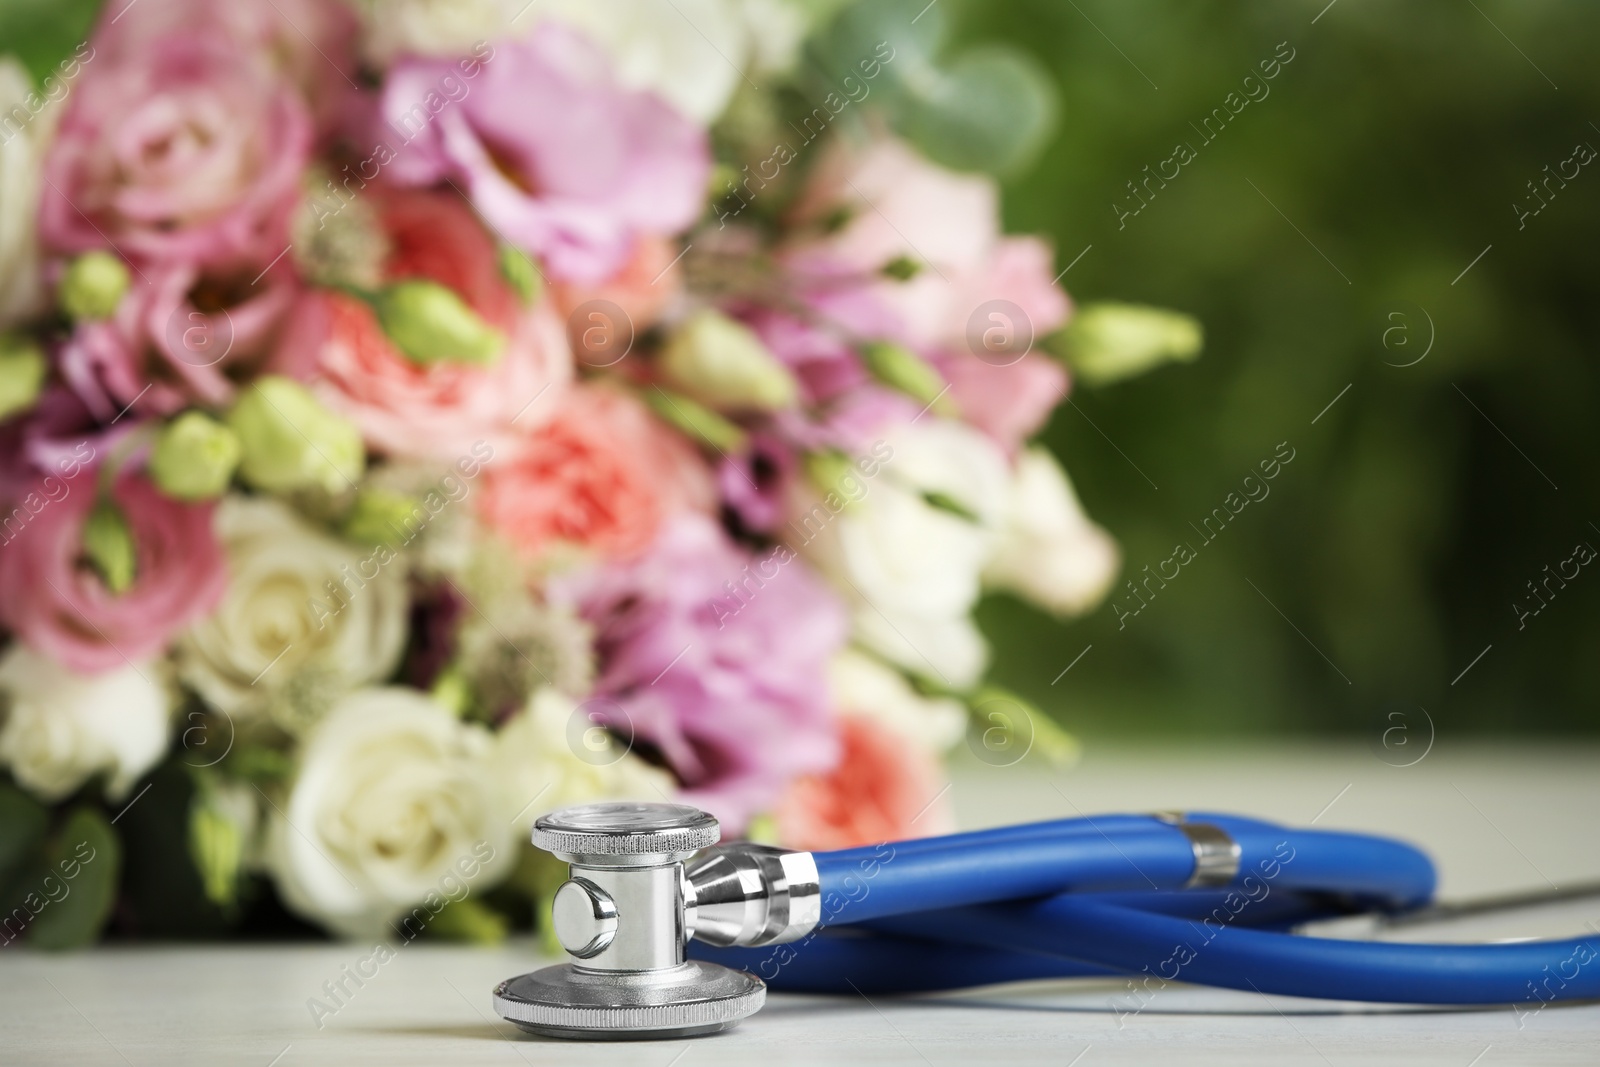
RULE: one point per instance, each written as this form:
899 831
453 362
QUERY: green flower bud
900 368
452 690
696 420
431 324
22 372
827 471
1108 342
721 180
108 545
384 517
93 286
290 441
902 268
216 845
723 364
521 273
763 830
194 457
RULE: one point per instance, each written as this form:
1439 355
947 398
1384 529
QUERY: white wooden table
1496 818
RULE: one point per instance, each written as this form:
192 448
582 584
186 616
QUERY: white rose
62 727
863 685
1049 552
691 53
436 27
22 147
553 755
909 552
299 604
394 798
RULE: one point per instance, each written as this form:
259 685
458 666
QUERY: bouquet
419 417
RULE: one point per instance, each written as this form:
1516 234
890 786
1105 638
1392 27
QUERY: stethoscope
1147 899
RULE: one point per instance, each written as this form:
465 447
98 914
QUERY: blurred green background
1396 141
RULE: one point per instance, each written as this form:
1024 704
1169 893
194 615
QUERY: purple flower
718 659
555 154
755 483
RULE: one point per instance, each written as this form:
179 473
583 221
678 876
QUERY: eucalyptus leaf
873 31
989 110
83 863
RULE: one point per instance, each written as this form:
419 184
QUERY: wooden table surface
1497 819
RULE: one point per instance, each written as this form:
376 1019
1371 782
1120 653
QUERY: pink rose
602 473
550 148
310 43
185 149
185 337
59 605
884 789
439 410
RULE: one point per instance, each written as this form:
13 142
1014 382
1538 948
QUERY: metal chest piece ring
629 907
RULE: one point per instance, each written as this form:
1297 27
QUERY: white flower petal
62 728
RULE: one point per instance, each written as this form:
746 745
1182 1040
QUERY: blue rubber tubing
1093 893
1236 957
869 959
874 963
874 882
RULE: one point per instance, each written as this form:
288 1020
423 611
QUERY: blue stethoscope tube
1106 896
1135 853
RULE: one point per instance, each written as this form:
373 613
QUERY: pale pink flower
557 156
1008 401
901 207
718 659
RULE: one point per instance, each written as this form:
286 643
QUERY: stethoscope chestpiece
624 916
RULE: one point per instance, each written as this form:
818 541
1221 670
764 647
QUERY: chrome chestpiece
630 905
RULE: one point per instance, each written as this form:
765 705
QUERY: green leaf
22 823
521 273
949 505
43 33
990 110
902 36
257 763
1011 713
84 860
696 420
